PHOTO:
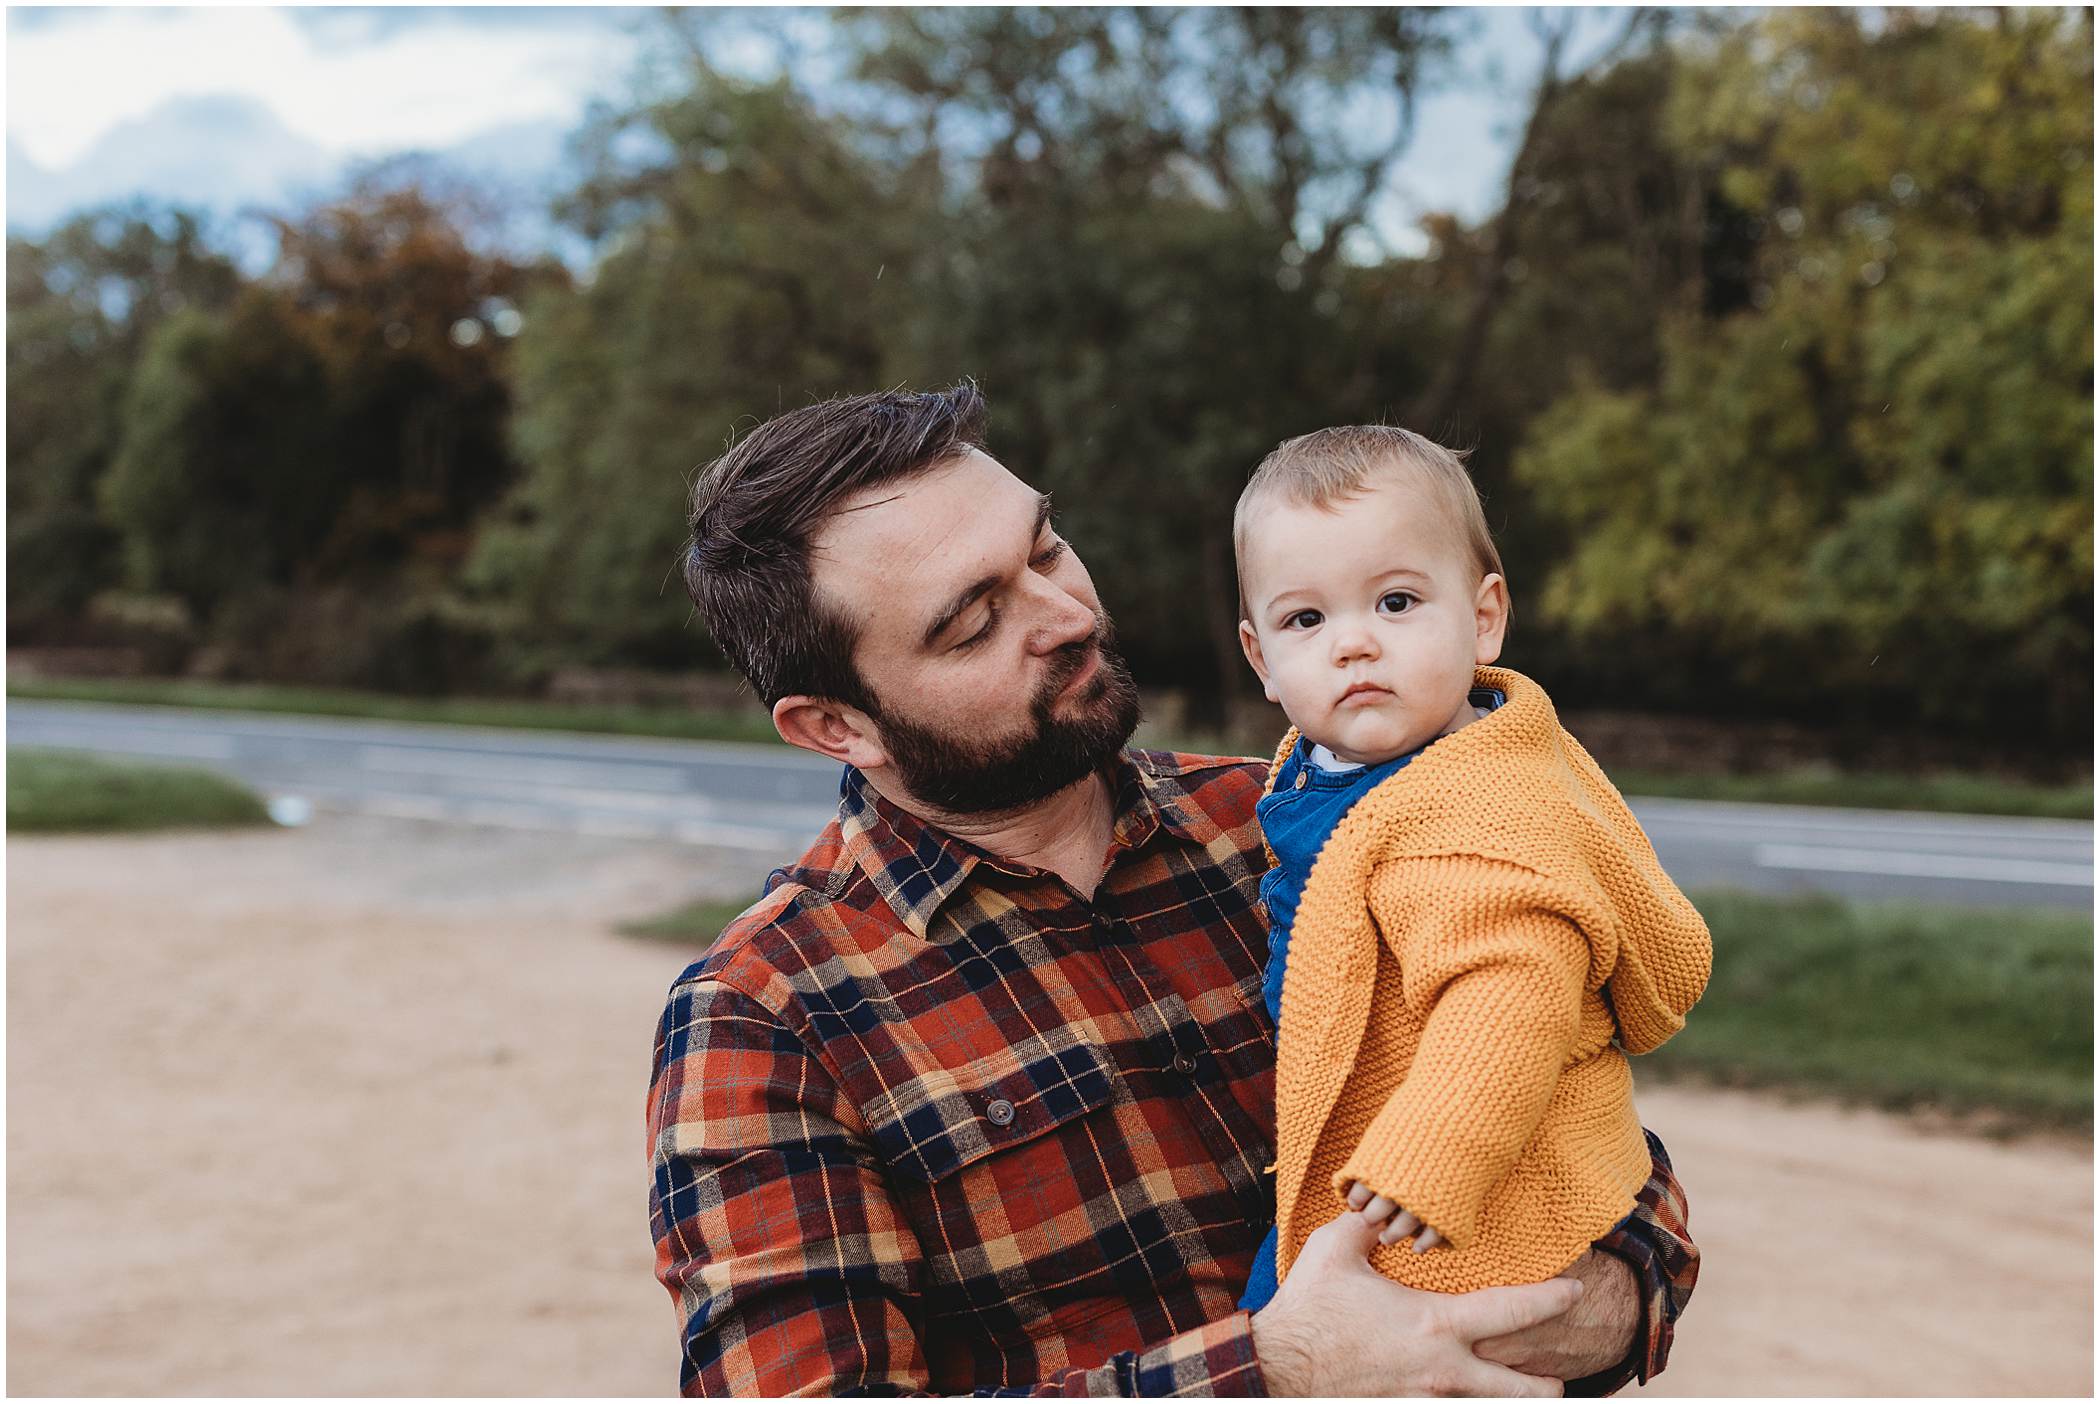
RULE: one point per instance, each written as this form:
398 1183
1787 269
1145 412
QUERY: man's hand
1336 1327
1594 1336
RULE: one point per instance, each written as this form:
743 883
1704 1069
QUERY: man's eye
1396 602
1049 556
1303 619
991 619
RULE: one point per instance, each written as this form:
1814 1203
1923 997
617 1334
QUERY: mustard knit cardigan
1475 935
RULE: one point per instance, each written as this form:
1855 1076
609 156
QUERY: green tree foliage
305 469
1775 361
754 260
225 477
1128 224
413 327
1870 489
81 305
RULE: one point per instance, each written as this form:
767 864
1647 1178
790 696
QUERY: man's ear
831 729
1250 644
1490 618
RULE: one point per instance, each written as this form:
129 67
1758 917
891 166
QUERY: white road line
401 760
511 816
1900 824
1926 865
731 836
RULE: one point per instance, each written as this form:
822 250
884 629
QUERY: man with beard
980 1095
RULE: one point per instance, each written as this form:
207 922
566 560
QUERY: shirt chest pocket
1018 1175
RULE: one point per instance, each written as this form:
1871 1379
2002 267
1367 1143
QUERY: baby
1468 929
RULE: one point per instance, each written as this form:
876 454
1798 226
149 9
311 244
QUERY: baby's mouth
1365 692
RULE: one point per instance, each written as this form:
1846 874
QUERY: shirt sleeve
791 1268
1656 1242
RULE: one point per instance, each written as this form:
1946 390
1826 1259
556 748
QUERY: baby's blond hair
1327 465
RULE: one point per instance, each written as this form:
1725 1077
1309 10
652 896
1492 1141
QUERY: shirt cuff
1213 1361
1651 1338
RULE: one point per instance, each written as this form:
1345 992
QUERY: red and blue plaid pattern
928 1120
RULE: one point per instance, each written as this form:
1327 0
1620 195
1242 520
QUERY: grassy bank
1962 1009
678 723
1954 794
60 792
694 925
1950 794
1965 1010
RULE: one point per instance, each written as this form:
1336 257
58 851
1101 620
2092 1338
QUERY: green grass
1952 794
60 792
695 924
1958 1009
680 723
1957 794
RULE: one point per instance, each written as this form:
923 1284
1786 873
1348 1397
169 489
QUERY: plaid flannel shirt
926 1120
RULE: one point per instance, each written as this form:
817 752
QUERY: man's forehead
921 539
931 504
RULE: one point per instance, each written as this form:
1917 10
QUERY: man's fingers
1482 1380
1345 1235
1497 1311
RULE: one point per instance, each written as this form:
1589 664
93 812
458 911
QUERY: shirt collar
917 867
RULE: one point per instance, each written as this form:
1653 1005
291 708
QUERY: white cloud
354 87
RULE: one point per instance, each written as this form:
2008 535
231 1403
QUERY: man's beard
958 776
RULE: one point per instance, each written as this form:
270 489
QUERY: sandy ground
357 1110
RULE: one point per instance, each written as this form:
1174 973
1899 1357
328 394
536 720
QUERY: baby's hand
1378 1209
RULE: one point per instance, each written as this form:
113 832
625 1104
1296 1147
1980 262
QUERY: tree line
1774 362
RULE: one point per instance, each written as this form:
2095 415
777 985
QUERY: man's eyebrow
956 606
978 589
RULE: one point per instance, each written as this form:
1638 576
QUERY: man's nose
1065 619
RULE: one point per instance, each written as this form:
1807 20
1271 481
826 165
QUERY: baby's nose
1353 641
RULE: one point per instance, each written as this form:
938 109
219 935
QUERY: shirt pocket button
1185 1065
1000 1112
1299 783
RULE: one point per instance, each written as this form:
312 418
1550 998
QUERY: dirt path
1939 1264
357 1110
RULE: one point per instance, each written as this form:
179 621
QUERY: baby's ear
1250 644
1490 618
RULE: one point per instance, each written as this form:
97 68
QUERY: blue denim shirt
1297 815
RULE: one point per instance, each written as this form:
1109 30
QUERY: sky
354 81
220 103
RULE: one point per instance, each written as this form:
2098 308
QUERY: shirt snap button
1185 1065
1299 783
1000 1112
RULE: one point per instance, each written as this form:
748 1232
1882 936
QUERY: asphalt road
767 801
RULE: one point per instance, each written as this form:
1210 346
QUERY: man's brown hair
755 509
1321 468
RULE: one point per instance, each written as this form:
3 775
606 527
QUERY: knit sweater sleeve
1496 971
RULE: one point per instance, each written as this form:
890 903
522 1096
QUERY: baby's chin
1372 744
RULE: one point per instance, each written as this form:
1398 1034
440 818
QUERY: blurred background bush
1774 359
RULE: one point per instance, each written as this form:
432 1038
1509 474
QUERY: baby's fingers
1379 1209
1402 1225
1427 1239
1359 1195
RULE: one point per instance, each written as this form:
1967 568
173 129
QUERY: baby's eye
1396 602
1303 619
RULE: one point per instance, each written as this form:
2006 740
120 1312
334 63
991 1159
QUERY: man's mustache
1067 661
